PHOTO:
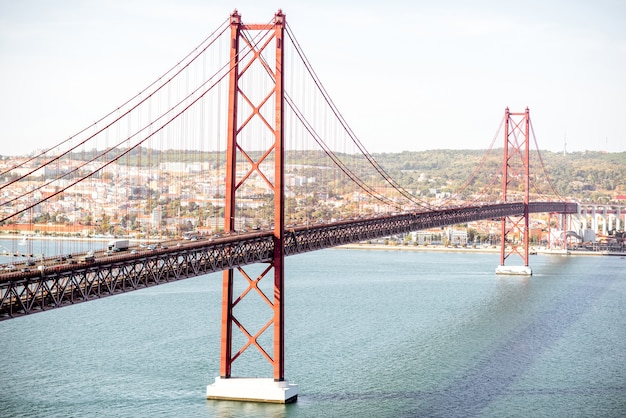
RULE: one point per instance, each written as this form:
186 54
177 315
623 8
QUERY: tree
104 226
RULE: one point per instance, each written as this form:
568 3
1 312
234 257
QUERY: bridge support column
565 228
514 230
594 220
240 137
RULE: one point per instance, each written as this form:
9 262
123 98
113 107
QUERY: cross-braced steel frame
266 37
516 172
58 285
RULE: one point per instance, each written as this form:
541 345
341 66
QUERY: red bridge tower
515 182
255 121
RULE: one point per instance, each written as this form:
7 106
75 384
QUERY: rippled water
368 333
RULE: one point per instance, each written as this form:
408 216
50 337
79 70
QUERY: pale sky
406 75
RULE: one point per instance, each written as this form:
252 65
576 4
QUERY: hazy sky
406 75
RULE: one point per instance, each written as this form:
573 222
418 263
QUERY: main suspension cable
215 35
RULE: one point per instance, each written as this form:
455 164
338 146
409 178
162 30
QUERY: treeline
582 175
589 175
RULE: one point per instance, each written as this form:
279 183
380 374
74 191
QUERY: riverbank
355 246
72 238
496 249
438 248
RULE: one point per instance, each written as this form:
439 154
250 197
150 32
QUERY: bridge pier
514 270
252 390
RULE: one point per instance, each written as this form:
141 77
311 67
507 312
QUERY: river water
368 333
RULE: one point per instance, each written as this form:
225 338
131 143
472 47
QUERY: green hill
585 176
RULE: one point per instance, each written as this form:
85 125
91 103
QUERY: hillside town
173 198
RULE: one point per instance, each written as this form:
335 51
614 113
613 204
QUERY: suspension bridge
236 156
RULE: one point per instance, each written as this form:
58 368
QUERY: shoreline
354 246
421 248
382 247
66 238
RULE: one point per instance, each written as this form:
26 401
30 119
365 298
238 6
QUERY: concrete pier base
252 390
514 270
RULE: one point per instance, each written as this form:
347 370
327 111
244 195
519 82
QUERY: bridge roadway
27 292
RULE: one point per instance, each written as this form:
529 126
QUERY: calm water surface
368 333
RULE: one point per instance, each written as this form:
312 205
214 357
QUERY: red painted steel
505 177
229 204
279 205
275 32
516 165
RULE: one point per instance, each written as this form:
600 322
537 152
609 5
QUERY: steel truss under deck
24 293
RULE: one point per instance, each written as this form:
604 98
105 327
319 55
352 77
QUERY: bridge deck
26 292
